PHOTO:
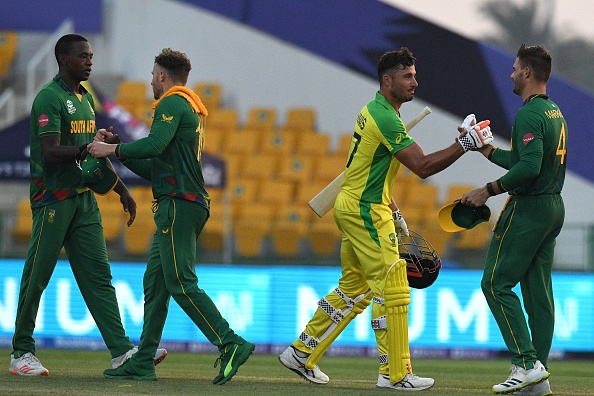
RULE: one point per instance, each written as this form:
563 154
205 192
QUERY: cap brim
445 218
457 217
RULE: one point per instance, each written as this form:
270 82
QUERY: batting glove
399 223
476 136
469 121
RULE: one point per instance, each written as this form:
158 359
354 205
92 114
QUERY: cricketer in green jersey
522 247
169 157
369 256
65 212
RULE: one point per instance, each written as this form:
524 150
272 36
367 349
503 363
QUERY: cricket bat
324 200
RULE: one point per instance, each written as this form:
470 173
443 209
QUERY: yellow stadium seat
260 167
143 111
437 237
234 165
289 228
277 193
210 94
300 119
327 168
226 120
455 191
405 179
344 144
219 223
311 143
242 193
277 143
475 238
131 93
323 234
113 216
261 118
298 169
241 142
306 191
8 51
251 228
139 236
423 195
213 141
24 221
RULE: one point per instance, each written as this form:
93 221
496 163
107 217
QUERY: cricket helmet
422 260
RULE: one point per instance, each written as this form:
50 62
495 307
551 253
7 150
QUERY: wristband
490 189
117 150
490 155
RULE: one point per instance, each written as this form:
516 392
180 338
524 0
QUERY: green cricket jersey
371 166
57 111
538 157
172 151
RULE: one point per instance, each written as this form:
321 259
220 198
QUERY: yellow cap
457 217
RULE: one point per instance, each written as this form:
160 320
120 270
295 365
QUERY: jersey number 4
562 144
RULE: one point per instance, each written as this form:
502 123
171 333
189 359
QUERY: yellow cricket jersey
371 166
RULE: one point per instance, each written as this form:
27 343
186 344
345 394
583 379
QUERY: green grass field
80 373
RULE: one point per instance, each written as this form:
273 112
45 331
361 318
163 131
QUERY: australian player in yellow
371 265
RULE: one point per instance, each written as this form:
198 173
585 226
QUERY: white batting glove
469 121
476 136
399 223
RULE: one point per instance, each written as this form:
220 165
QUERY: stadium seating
234 165
252 226
344 143
243 142
113 216
289 229
8 51
455 191
306 191
213 234
297 169
278 143
139 236
311 143
278 193
260 167
210 94
261 118
131 94
328 167
324 235
300 119
23 222
225 120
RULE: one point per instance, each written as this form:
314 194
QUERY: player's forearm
436 162
121 189
500 157
140 167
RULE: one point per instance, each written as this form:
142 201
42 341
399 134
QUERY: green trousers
521 251
171 272
74 224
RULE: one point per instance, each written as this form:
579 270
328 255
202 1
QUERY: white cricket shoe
28 364
541 389
410 382
118 361
294 362
521 378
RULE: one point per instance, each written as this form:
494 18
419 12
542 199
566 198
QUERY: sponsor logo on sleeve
528 138
43 120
